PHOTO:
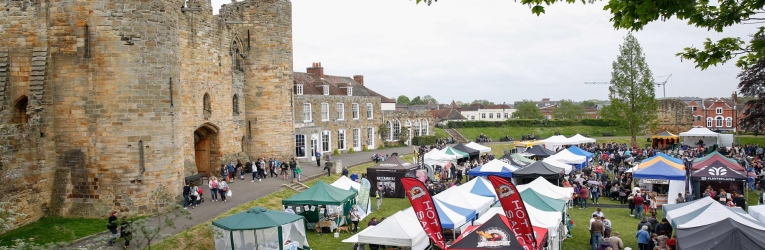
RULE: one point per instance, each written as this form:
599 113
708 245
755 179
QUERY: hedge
533 123
424 140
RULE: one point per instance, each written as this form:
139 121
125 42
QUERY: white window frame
709 122
507 116
729 122
425 126
491 115
327 140
719 121
297 146
472 117
299 89
340 111
499 115
396 131
483 115
325 89
324 111
307 115
390 131
341 139
350 91
719 111
370 111
355 111
693 108
370 138
356 139
417 128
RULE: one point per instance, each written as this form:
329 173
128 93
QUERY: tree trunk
633 136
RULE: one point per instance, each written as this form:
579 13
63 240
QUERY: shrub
600 122
336 152
533 123
424 140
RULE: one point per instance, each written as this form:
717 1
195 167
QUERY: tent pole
231 238
281 237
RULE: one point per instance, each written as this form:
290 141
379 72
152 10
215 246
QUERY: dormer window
299 89
350 91
326 89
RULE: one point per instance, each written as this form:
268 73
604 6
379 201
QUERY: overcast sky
491 49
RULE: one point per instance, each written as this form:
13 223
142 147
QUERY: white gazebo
479 147
580 139
556 141
709 137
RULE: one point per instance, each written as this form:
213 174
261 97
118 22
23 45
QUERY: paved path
246 191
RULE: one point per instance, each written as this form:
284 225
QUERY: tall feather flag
515 210
424 209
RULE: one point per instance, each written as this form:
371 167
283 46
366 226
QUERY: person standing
638 200
213 188
255 171
284 166
112 226
616 242
298 171
643 238
584 193
223 189
293 166
606 226
596 231
679 198
125 232
317 155
231 172
194 194
379 197
186 194
355 219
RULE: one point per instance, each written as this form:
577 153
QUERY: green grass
54 229
201 236
541 132
620 222
441 133
744 140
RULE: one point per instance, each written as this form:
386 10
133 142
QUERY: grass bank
201 236
53 229
541 132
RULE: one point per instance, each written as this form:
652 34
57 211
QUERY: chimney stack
359 79
316 69
734 96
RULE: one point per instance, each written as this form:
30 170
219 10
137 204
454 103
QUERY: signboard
655 181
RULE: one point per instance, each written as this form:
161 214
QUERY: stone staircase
297 186
457 136
3 76
37 78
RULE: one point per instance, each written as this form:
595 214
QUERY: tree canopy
527 109
568 110
632 91
402 99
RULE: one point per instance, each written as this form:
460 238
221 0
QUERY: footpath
243 191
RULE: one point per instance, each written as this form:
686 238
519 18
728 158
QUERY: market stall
496 233
582 152
346 183
707 224
539 152
664 140
399 230
662 175
454 152
557 141
479 147
521 146
473 154
538 169
494 167
459 197
549 220
509 159
386 177
260 228
719 172
758 213
451 216
323 204
480 186
567 168
436 157
567 157
544 187
580 139
700 137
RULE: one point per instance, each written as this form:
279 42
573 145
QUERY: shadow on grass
53 229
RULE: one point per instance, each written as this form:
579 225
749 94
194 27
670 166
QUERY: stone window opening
141 161
396 130
299 89
237 58
235 104
20 111
206 106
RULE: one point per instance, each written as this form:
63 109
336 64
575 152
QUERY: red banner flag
515 211
425 209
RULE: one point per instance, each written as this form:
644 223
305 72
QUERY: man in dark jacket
186 193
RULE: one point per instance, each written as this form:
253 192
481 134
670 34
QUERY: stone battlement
104 102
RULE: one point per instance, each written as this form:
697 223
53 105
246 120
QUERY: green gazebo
336 202
260 228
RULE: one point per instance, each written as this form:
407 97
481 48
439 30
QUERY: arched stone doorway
206 149
20 110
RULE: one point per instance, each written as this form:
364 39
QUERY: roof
320 194
447 114
256 218
313 85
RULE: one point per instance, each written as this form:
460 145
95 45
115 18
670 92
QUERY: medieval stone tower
104 103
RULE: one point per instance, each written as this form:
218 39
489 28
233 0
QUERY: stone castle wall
674 116
116 93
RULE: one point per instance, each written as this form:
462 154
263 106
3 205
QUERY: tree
402 99
632 90
417 100
149 230
527 109
589 104
751 85
568 110
483 102
428 98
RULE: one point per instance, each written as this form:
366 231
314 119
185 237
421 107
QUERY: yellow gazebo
664 139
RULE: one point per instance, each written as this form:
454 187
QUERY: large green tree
568 110
527 110
402 99
633 15
428 98
417 100
483 102
632 90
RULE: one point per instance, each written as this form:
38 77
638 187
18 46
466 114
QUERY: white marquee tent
539 218
567 157
556 141
346 183
463 198
758 212
435 157
400 230
479 147
479 184
691 137
544 187
580 139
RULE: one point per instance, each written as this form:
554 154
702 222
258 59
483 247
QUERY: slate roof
313 85
447 114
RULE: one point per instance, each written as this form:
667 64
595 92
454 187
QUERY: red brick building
714 113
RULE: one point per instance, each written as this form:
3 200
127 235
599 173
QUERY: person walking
194 194
596 232
283 170
298 171
379 197
293 166
112 226
186 194
125 232
318 158
231 172
223 190
355 219
213 188
643 238
584 193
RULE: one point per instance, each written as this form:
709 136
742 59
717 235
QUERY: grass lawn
441 133
541 132
201 236
54 229
744 140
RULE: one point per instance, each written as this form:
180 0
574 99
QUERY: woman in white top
223 189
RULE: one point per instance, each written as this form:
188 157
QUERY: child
298 171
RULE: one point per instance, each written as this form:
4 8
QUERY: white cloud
492 49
